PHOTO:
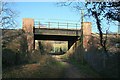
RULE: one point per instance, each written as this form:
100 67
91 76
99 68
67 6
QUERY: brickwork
86 34
28 24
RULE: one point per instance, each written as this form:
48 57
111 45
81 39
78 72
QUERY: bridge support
70 43
28 25
86 34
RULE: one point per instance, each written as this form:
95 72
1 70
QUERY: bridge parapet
65 32
57 25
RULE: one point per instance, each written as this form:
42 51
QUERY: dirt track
36 70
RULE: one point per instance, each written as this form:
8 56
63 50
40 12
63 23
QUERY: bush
34 57
8 57
14 48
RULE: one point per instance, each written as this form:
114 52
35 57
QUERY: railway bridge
71 32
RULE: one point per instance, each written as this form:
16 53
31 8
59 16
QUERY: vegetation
85 68
22 62
45 46
13 50
46 68
8 15
30 65
100 11
19 63
63 46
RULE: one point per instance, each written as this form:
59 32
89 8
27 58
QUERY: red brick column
28 25
86 33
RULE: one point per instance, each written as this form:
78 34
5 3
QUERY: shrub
8 57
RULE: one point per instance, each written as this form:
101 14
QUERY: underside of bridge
70 39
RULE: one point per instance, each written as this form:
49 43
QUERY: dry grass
46 68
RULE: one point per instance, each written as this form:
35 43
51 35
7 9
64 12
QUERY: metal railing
57 25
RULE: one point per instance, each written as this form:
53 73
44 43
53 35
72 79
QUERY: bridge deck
55 37
54 31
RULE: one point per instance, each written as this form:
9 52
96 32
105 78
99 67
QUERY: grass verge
85 69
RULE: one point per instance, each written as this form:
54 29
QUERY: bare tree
100 11
7 16
8 21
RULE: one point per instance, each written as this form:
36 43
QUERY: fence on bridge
55 24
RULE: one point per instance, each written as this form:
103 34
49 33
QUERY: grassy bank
85 69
